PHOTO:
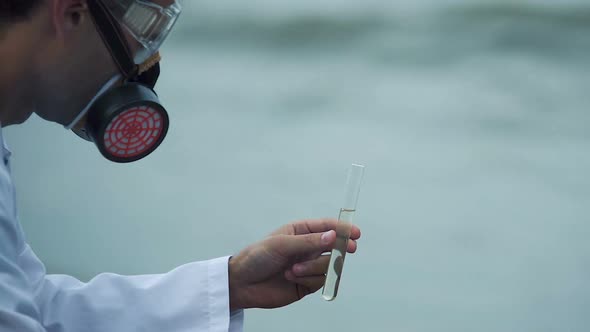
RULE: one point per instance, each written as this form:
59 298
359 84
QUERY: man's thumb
306 244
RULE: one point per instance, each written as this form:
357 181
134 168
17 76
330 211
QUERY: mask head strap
113 37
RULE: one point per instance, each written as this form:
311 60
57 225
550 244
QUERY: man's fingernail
326 237
298 268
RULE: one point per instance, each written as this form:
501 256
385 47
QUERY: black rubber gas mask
125 119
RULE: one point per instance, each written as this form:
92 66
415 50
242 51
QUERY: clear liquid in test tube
343 228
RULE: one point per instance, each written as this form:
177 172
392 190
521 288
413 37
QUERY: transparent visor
149 22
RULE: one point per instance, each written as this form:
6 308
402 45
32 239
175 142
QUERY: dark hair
16 10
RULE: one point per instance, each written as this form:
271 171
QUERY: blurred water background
471 116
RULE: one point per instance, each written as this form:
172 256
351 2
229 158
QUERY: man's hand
286 266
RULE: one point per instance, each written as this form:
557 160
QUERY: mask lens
149 23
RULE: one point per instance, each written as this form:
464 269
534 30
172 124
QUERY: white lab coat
193 297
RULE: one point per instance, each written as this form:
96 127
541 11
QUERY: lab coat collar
6 153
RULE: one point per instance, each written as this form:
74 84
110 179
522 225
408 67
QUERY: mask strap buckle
149 71
149 63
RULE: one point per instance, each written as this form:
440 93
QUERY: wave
282 32
551 30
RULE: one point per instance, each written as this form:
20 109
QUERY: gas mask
127 122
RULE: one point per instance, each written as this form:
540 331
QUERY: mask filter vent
127 123
133 132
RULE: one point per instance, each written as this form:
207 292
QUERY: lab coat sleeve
18 310
192 297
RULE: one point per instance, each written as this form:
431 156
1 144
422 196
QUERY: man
91 65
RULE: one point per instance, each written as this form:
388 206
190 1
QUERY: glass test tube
353 186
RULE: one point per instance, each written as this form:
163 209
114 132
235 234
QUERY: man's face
72 62
74 65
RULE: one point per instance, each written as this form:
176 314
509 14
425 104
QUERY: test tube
334 273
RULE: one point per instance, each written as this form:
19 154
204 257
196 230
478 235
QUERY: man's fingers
310 245
351 249
355 232
352 246
322 225
309 285
317 264
314 225
316 267
299 246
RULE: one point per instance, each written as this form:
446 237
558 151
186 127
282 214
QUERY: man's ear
68 16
